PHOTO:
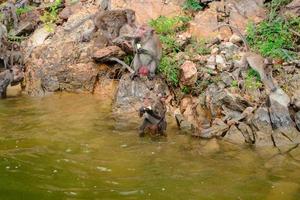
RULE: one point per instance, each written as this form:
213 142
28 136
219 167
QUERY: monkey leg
152 68
162 127
142 128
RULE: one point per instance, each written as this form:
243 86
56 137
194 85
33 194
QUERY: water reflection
69 146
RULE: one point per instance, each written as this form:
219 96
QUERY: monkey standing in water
154 116
11 76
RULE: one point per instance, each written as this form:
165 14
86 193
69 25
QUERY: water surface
69 146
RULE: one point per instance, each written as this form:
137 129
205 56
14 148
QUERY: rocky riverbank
224 91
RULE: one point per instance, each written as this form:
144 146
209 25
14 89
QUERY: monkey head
130 15
144 31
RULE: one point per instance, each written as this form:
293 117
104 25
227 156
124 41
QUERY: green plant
274 6
128 59
234 84
197 47
24 9
252 80
169 69
194 5
169 43
186 90
166 25
272 38
50 17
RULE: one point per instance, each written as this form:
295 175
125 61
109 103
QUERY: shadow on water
70 146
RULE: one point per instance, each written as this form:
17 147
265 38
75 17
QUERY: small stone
221 64
235 39
211 62
214 51
188 73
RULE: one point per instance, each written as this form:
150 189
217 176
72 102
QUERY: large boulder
285 131
58 61
147 10
130 93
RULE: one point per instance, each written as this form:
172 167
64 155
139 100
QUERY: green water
69 146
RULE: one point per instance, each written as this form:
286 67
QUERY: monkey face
143 31
130 15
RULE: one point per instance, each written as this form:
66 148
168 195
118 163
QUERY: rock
216 130
107 52
297 120
240 13
247 133
182 123
263 127
279 113
228 49
285 131
69 10
82 32
38 37
211 62
183 39
214 51
232 101
231 114
188 73
235 39
234 135
227 78
130 93
221 63
151 9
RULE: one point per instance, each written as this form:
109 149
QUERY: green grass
170 70
169 25
166 28
24 10
274 36
252 80
193 5
50 17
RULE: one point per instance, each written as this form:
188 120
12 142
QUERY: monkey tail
122 63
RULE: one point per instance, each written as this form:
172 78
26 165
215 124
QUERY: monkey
3 45
109 21
15 55
9 12
147 48
11 76
154 116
